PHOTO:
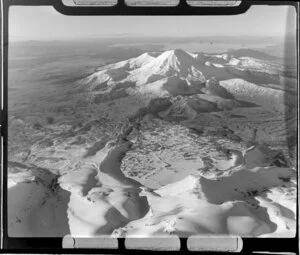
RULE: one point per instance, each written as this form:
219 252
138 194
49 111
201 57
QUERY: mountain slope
251 92
177 72
151 67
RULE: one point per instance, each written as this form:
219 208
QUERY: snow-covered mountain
156 72
178 72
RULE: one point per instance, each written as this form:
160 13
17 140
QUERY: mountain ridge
179 72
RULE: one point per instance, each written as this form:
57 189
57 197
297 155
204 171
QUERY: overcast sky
45 23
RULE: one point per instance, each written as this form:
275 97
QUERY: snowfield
103 201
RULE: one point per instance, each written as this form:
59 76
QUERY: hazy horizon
46 24
141 37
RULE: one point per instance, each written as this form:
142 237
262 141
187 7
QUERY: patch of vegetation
252 193
50 120
197 130
46 143
279 160
79 140
37 125
284 179
237 116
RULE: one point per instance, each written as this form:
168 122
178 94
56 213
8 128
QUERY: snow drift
238 203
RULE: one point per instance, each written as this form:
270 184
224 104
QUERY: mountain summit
151 67
178 72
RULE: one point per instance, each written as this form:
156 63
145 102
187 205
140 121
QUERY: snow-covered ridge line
261 95
150 67
178 72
